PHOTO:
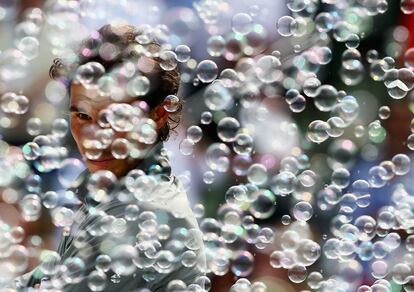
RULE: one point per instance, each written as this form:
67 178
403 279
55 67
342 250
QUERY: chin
118 167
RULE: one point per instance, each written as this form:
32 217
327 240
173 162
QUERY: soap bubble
242 264
227 129
318 131
12 103
183 53
407 6
303 211
242 23
297 274
287 26
207 71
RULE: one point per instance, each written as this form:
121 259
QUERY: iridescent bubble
31 151
50 199
257 174
122 259
297 274
168 60
97 281
186 146
183 53
318 131
263 205
60 127
402 164
100 185
227 129
194 133
324 22
206 118
103 262
69 172
286 26
407 6
89 73
217 157
215 45
303 211
12 103
31 207
171 103
268 69
242 264
120 148
34 126
207 71
217 96
242 23
243 144
138 86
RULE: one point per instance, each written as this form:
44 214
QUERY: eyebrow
75 108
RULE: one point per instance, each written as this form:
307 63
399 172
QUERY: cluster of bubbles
144 239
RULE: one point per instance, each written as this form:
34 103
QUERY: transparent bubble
263 205
206 118
122 259
69 171
379 269
303 211
89 73
296 5
186 146
120 148
268 69
138 86
409 58
324 22
242 264
311 86
242 23
227 129
400 273
318 131
297 274
31 151
97 281
100 185
31 207
410 142
384 112
207 71
12 103
337 126
257 174
194 133
208 177
407 6
29 46
315 280
243 144
103 262
183 53
171 103
215 45
287 26
34 126
217 157
402 164
168 60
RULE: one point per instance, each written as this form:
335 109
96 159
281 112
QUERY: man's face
85 107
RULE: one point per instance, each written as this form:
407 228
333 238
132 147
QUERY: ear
160 116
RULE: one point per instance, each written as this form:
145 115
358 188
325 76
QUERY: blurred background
340 43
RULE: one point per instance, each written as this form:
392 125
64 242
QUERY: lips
101 159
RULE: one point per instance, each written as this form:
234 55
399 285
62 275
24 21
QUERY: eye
83 116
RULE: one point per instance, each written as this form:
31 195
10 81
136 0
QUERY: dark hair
123 39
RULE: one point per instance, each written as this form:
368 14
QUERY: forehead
90 98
